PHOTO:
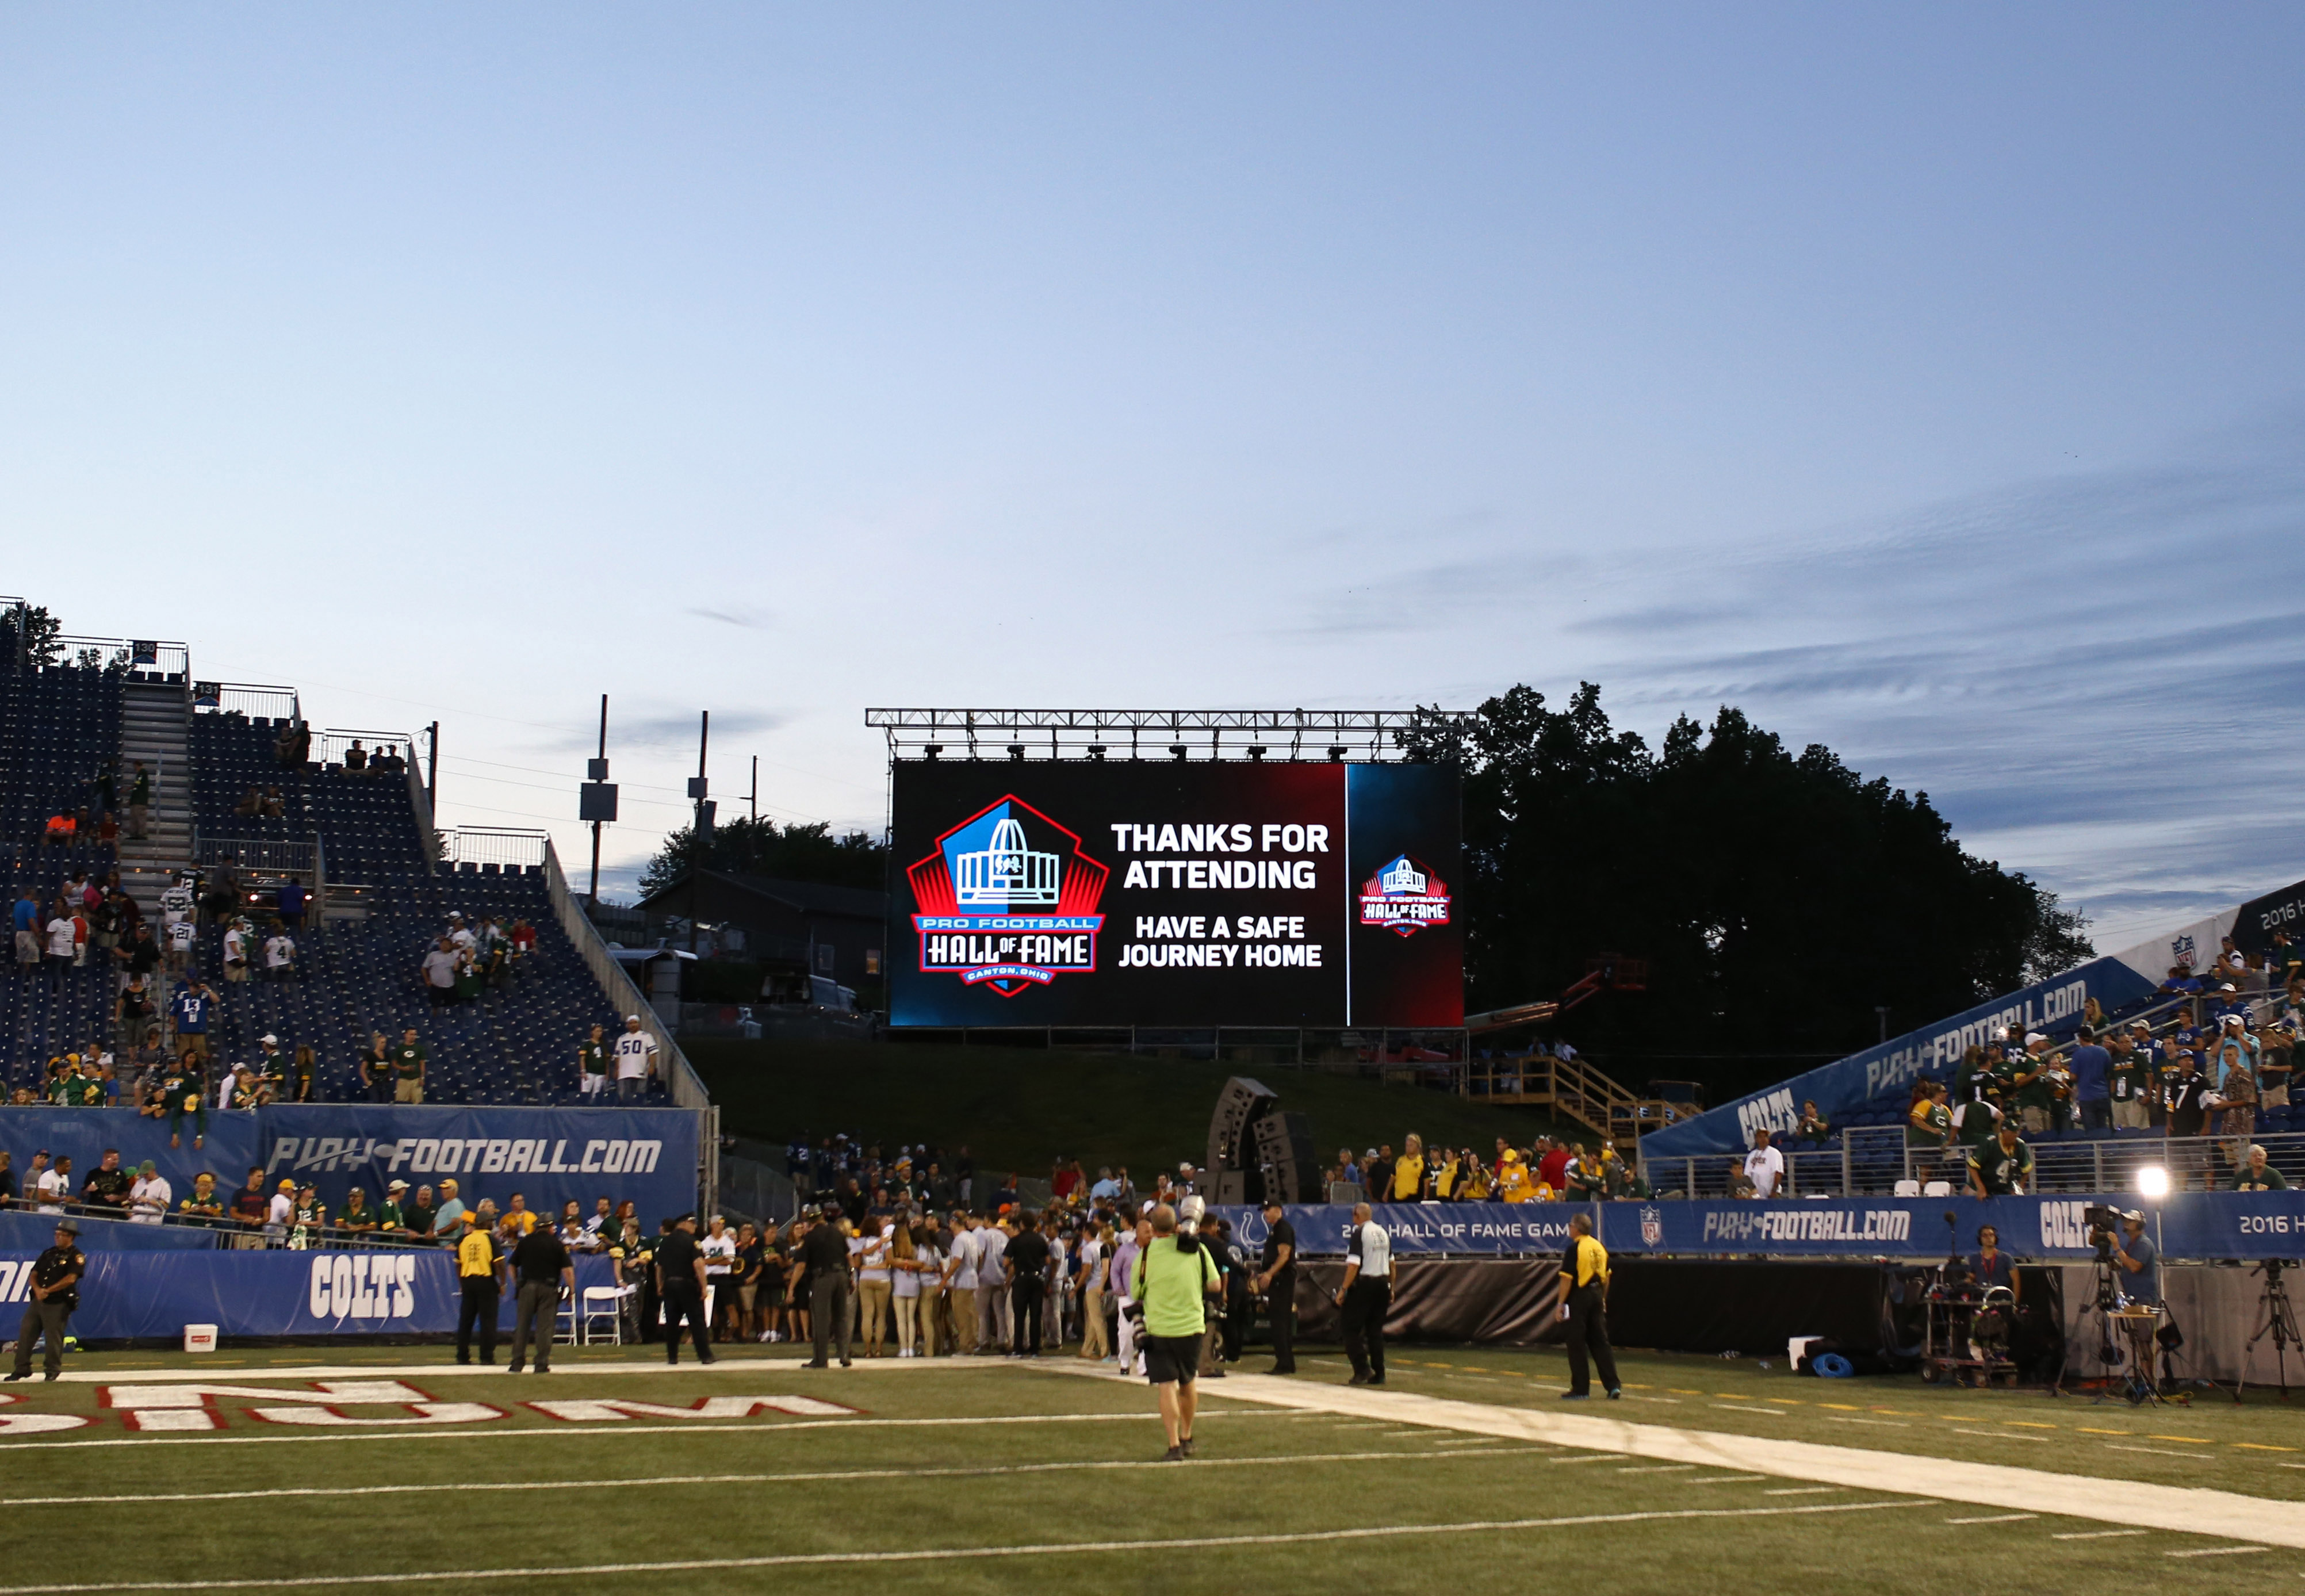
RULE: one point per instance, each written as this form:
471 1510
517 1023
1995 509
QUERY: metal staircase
154 718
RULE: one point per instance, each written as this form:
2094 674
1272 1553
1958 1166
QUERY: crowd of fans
157 1058
2208 1067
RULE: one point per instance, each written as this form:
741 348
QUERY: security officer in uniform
1585 1304
55 1293
1367 1296
478 1261
1278 1285
680 1287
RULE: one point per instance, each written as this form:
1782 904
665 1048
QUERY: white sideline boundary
2180 1509
950 1554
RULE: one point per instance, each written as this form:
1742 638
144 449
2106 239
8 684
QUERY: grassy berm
1017 1108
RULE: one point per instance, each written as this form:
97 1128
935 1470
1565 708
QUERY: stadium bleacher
358 967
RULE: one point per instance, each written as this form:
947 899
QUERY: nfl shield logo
1651 1227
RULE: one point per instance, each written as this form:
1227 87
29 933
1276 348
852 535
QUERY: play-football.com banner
154 1295
549 1155
2193 1225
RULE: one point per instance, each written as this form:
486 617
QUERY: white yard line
2217 1551
595 1482
560 1433
2086 1534
726 1364
953 1553
1996 1518
2127 1503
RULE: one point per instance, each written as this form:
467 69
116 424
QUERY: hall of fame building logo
1404 897
1007 901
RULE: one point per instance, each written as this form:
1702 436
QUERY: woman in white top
905 1285
872 1285
932 1276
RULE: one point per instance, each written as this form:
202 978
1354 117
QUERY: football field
272 1470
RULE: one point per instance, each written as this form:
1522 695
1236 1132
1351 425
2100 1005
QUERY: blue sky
1924 382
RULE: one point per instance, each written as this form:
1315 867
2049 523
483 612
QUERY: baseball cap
286 1184
633 1018
272 1039
397 1186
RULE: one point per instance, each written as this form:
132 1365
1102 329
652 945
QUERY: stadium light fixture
2153 1181
1177 751
1256 753
1096 750
930 750
1336 754
1016 751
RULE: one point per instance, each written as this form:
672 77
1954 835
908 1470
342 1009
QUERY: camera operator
1367 1295
2003 1167
1992 1266
2139 1260
1171 1282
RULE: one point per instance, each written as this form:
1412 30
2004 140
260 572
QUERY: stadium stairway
153 718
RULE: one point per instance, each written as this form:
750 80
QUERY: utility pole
700 830
600 775
756 789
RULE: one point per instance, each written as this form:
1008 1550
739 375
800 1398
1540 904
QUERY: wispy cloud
749 620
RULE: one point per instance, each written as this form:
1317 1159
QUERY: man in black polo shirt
541 1270
1026 1260
824 1259
680 1287
1277 1283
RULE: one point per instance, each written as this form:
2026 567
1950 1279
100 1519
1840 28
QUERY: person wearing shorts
1173 1282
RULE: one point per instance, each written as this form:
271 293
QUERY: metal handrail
333 1237
1869 1160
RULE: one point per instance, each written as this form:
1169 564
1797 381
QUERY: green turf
1015 1108
1077 1470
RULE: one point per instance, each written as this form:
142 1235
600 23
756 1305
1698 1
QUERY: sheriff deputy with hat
55 1293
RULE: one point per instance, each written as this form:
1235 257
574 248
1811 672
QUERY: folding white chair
1937 1188
1906 1188
605 1303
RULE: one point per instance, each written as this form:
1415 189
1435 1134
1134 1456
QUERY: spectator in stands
107 1185
54 1187
1765 1166
423 1219
249 1203
149 1197
139 802
2090 1070
250 805
2275 1061
2254 1174
189 1009
1813 1126
438 972
30 946
637 1052
448 1221
392 1218
1929 1127
204 1206
1552 1163
289 903
357 1219
302 1084
408 1065
356 758
2002 1168
61 941
2128 1082
374 1068
280 954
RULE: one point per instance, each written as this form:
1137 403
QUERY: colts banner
549 1155
1142 893
372 1292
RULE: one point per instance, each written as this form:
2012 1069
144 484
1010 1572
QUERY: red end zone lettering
600 1410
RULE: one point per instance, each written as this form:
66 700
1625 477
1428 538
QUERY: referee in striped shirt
1585 1305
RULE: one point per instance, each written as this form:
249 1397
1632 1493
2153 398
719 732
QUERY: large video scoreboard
1128 893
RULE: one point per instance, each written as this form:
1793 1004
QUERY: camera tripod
2104 1301
2274 1318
